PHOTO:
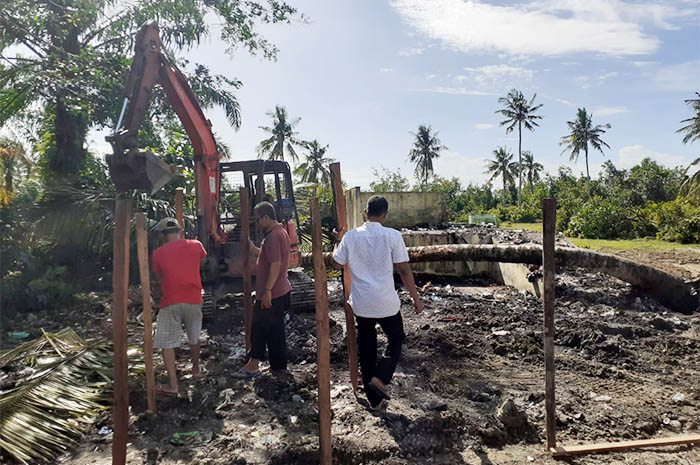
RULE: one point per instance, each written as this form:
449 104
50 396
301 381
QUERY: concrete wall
406 209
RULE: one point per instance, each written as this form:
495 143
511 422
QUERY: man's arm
156 289
407 277
271 280
336 266
254 250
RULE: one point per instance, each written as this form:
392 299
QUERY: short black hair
265 209
377 206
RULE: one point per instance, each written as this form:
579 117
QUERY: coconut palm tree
691 131
315 167
531 168
282 138
12 159
521 112
503 166
426 147
582 135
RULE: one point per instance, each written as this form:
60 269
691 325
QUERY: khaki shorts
170 322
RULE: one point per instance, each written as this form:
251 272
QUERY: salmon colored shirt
274 248
177 264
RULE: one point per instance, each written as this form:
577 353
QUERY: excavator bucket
139 170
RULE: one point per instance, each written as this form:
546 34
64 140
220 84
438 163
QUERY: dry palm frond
67 386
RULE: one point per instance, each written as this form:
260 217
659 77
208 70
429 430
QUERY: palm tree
426 147
582 135
532 169
502 165
518 110
12 158
315 167
282 136
691 184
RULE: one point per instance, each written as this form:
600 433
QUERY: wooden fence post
341 217
323 345
120 284
549 209
179 201
145 274
245 250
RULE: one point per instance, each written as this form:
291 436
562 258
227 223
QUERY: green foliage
283 138
315 168
426 148
389 181
691 130
450 190
607 218
50 290
677 221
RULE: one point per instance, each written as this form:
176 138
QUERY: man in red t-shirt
272 290
176 266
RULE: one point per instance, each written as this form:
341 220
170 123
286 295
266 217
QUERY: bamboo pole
323 345
145 274
179 201
351 332
549 207
245 250
120 283
625 445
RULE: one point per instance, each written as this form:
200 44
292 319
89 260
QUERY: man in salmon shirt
272 290
176 266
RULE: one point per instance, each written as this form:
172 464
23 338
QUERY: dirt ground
469 388
684 262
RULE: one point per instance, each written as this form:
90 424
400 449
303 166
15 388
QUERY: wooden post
145 274
179 200
245 250
341 217
323 344
120 283
549 209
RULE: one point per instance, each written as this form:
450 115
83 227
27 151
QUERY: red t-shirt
274 248
177 264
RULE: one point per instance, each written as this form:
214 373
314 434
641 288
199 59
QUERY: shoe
245 375
382 391
383 405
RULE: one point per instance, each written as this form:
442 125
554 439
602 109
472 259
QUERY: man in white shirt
371 251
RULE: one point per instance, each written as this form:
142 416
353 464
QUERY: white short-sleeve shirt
371 251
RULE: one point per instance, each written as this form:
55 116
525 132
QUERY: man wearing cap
176 266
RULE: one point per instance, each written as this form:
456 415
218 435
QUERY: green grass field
605 244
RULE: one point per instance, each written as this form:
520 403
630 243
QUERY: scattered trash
500 332
435 298
530 458
596 398
293 419
191 438
678 397
426 286
18 335
104 430
254 434
297 398
436 405
225 399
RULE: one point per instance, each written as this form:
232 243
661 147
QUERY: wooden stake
549 209
179 200
120 283
245 250
623 445
145 274
341 217
323 344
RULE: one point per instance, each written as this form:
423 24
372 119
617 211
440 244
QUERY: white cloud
543 27
431 76
407 52
452 164
631 155
607 111
484 126
681 77
588 81
386 70
495 78
453 90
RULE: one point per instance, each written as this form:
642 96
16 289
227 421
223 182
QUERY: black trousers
367 343
267 331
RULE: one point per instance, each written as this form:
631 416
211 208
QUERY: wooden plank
342 219
323 344
245 250
179 201
623 445
549 208
145 274
120 284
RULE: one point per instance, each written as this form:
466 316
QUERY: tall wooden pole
341 217
549 209
179 201
245 250
323 344
145 274
120 283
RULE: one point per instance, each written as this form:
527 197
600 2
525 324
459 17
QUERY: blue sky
363 74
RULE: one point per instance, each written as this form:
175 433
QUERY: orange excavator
218 223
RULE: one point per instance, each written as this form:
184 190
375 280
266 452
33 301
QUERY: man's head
265 215
377 208
169 229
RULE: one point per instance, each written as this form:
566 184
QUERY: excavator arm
131 168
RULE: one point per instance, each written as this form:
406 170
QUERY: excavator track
208 305
303 296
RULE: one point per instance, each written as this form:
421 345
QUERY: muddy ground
469 389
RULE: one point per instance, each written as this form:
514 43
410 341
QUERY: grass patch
647 244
